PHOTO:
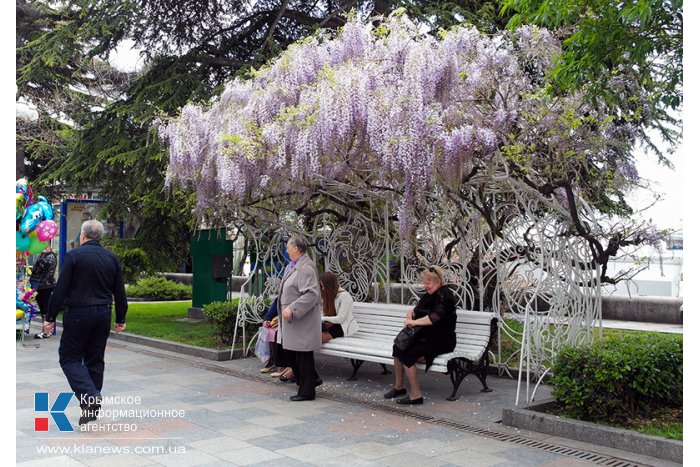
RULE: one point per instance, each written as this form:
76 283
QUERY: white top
343 313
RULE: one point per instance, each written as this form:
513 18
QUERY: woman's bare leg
414 390
398 374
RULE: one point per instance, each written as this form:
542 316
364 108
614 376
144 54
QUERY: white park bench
379 323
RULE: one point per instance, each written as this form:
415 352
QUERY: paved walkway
182 410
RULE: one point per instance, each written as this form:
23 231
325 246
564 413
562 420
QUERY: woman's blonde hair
436 273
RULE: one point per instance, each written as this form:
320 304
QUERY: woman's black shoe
407 400
395 392
299 398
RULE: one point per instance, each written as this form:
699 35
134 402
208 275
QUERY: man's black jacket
90 275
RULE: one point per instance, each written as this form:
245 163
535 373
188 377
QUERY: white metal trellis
542 280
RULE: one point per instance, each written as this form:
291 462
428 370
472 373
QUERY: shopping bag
262 346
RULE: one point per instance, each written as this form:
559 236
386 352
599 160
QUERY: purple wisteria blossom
397 108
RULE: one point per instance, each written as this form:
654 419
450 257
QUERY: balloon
45 208
19 204
33 215
20 305
46 230
19 314
36 246
22 186
22 243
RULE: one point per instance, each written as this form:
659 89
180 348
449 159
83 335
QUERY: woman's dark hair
329 290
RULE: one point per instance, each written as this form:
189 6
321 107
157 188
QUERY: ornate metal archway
508 249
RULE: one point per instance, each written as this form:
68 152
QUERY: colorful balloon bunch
24 303
35 220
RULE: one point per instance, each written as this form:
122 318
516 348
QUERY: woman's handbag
406 337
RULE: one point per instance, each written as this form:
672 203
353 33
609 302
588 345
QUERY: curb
531 417
202 352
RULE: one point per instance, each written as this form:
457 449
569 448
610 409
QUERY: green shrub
620 377
158 288
134 259
223 315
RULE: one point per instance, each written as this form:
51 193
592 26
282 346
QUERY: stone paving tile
410 458
481 459
346 460
275 421
220 444
429 447
281 441
124 459
369 450
247 431
249 456
284 463
57 461
187 458
309 452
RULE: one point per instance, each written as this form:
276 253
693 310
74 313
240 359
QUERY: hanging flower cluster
386 106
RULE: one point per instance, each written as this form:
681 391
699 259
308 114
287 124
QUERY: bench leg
385 370
458 370
483 371
356 364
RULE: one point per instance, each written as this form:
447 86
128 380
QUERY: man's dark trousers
82 349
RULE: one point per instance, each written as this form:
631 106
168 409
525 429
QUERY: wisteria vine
390 107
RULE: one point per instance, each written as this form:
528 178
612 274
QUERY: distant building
675 241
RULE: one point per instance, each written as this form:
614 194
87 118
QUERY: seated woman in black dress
436 314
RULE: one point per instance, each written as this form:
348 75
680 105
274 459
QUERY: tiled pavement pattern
234 415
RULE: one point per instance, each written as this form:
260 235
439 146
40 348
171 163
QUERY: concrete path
170 409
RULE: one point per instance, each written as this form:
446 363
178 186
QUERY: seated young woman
337 320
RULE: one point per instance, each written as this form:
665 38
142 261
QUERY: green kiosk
212 263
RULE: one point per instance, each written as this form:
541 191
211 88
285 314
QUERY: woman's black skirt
428 348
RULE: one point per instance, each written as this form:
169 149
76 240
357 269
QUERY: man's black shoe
298 398
89 413
319 382
394 393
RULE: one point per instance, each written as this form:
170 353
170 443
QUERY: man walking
90 276
299 300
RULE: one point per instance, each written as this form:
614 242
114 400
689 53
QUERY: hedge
621 377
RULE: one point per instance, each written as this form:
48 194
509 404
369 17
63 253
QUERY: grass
160 320
665 422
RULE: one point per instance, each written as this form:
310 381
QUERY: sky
667 212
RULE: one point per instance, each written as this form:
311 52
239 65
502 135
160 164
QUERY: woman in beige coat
300 302
338 320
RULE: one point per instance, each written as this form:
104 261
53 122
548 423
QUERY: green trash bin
212 263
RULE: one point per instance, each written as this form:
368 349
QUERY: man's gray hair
299 242
92 229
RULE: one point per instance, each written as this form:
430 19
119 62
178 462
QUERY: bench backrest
383 321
